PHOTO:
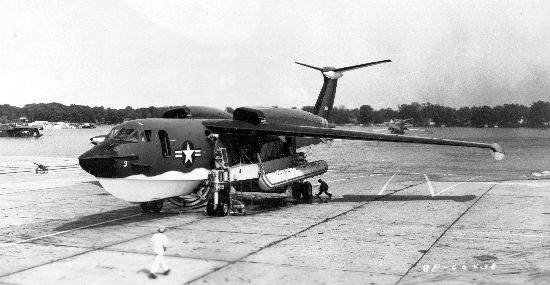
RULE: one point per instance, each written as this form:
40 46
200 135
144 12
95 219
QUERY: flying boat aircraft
398 126
195 155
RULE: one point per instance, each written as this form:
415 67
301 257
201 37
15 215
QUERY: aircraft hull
140 188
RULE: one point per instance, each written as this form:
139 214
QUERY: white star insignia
188 154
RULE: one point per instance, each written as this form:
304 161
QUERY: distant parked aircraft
398 126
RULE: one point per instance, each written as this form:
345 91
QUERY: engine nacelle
271 115
196 112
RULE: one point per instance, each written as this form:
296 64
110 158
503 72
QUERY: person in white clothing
159 242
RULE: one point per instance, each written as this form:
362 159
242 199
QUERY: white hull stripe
140 188
196 174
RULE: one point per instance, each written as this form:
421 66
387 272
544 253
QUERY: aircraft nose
99 161
99 167
102 160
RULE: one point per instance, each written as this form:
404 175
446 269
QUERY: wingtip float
497 151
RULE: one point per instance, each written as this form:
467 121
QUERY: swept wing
245 128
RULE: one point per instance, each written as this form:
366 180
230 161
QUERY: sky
242 53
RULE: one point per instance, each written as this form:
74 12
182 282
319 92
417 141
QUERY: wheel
296 190
307 190
223 209
210 208
156 206
145 207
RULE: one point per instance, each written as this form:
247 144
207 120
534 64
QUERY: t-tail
325 101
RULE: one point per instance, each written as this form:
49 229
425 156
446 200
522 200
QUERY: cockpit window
113 132
164 143
128 135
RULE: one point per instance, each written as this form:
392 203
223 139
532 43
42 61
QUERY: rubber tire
210 208
223 209
156 206
145 207
296 190
307 190
220 211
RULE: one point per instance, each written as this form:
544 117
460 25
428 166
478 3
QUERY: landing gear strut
152 206
221 209
221 203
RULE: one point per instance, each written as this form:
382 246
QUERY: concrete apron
63 235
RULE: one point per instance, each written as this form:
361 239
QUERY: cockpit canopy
113 131
129 135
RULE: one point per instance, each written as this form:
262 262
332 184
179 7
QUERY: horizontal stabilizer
361 65
325 100
310 66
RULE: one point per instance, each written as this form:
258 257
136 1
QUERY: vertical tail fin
325 101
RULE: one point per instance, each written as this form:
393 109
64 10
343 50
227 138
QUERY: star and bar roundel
187 153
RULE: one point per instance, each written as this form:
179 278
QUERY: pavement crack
91 250
297 233
324 268
443 234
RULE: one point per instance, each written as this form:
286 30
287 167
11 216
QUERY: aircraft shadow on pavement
266 204
102 219
367 198
253 205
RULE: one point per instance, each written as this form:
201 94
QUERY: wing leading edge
245 128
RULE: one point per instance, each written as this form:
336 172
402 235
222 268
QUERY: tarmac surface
63 228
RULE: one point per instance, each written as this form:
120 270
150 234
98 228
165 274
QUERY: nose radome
100 161
104 160
99 167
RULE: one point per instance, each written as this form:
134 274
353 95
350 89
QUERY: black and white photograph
274 142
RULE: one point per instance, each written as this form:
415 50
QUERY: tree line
56 112
507 115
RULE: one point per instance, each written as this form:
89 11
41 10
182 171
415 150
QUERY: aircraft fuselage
145 152
152 159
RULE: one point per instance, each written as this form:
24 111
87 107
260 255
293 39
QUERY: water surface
527 152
